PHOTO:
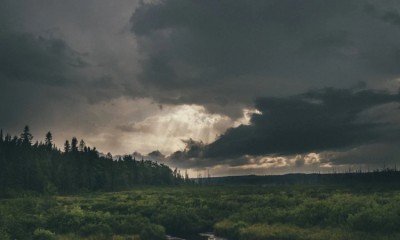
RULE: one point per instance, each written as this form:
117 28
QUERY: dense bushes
229 229
305 213
238 213
382 219
153 232
43 234
342 214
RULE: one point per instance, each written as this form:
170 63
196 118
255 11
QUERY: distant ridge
390 176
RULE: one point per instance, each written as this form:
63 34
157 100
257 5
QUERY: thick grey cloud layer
25 57
100 69
228 52
316 121
54 68
328 127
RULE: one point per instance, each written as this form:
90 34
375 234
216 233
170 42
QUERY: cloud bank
296 84
227 53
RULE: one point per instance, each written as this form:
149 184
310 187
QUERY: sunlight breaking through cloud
165 129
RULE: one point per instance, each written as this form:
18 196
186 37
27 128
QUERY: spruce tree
67 147
49 139
74 144
82 145
26 136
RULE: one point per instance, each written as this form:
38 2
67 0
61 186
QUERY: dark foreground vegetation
42 167
244 213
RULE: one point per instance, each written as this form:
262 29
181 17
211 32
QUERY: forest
42 167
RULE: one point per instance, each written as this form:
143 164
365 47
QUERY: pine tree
26 136
82 145
186 176
7 138
49 139
67 147
74 144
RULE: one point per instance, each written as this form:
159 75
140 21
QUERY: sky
230 87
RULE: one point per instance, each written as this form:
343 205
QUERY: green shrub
376 219
271 232
178 220
65 220
43 234
311 214
3 234
131 224
91 229
21 226
153 232
229 229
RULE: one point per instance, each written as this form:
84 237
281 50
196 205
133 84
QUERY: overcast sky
236 87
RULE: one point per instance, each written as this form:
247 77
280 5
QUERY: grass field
243 212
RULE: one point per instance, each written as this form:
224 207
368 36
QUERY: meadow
233 212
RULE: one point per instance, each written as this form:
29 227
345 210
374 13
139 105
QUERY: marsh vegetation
236 213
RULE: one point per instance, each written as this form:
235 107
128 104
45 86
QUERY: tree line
42 167
384 177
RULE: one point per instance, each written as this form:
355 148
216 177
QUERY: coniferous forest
42 167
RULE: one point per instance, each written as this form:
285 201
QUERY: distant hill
385 176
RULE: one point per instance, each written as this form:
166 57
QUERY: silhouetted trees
43 168
74 144
67 146
48 141
82 146
26 136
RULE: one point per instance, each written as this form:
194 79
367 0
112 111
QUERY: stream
211 236
203 236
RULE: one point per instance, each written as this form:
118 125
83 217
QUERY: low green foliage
43 234
238 213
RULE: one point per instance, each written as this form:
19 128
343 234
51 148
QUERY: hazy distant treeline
378 176
42 167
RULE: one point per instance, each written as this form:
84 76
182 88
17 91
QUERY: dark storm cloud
228 52
373 155
316 121
385 13
392 17
219 54
36 73
25 57
225 54
45 79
